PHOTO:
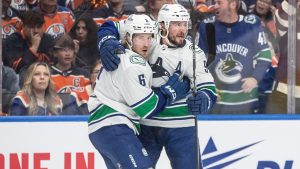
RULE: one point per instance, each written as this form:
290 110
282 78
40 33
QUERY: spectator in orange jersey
37 96
67 77
31 44
114 10
84 32
58 19
10 23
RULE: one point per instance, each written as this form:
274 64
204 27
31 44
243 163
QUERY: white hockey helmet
172 12
139 24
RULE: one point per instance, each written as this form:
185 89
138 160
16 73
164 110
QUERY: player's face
224 10
81 32
65 56
40 78
141 43
262 7
177 32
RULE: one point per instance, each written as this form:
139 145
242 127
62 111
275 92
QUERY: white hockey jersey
164 61
124 95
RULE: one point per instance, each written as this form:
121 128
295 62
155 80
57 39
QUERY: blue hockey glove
108 48
175 88
198 104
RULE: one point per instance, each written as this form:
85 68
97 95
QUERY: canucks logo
229 69
197 49
136 59
222 160
158 70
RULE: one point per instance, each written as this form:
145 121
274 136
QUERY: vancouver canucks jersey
241 51
124 95
164 61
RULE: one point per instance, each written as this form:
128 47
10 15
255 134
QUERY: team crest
8 30
136 59
69 89
197 49
56 29
158 70
229 69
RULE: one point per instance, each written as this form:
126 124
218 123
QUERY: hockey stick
194 90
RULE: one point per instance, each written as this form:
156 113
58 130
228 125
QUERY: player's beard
172 40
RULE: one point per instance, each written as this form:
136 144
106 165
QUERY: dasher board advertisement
226 142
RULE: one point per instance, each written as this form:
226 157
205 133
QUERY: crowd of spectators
58 39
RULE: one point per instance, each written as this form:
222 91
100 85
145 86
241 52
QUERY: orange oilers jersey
100 21
26 100
10 26
58 23
73 80
106 13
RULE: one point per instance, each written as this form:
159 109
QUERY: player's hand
176 88
108 48
198 104
248 84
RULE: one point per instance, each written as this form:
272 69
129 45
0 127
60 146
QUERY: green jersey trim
146 107
237 97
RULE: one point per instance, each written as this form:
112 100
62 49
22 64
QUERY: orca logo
158 70
210 162
229 69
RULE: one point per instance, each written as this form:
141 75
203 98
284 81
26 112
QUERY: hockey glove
175 88
198 104
108 48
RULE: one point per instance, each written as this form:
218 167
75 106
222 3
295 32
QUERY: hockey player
124 96
242 57
173 128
